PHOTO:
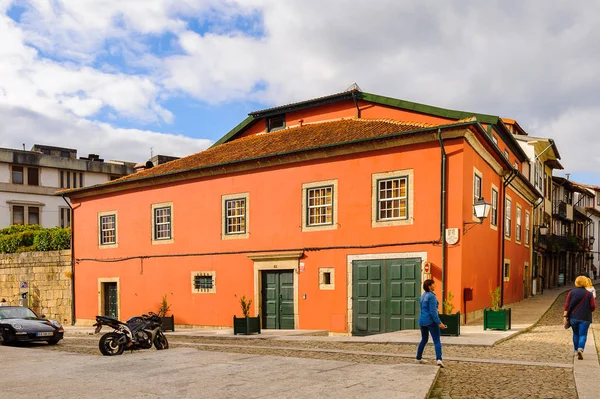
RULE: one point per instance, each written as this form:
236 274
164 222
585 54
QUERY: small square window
204 282
65 154
506 271
326 278
275 123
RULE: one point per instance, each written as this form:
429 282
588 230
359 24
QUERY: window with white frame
495 139
527 228
507 217
506 270
392 198
108 229
518 224
494 210
476 189
235 216
162 223
319 206
204 282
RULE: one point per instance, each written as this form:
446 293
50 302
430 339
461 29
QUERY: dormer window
275 123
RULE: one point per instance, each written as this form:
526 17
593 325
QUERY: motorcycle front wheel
160 341
109 345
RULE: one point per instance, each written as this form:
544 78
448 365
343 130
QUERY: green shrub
61 238
42 240
26 238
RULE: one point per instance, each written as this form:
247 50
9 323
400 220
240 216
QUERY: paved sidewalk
524 315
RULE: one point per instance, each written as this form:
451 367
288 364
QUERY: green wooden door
385 295
110 300
278 299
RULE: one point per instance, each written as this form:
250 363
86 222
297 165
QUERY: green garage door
385 295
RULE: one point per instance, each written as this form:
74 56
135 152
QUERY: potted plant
168 322
450 319
495 317
246 324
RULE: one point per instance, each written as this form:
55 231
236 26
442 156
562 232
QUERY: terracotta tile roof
306 137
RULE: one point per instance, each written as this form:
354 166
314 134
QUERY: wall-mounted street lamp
481 208
592 240
543 230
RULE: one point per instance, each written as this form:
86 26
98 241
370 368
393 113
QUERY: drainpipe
72 261
505 184
443 211
356 104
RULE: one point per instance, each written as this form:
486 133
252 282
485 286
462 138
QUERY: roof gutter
260 158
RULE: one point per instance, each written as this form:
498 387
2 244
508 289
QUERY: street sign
24 285
452 236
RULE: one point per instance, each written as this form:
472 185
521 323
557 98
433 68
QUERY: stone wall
49 277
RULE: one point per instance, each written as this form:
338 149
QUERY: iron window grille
203 282
392 198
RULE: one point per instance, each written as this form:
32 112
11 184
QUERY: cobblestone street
534 364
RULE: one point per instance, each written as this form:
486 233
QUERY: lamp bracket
465 229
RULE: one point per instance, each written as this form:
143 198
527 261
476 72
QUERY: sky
129 78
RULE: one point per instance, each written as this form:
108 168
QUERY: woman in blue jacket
430 323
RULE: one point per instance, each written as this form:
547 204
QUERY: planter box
496 319
168 323
453 323
246 325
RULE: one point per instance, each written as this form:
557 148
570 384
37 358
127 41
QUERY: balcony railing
559 209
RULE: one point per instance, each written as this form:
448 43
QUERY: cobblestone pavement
470 372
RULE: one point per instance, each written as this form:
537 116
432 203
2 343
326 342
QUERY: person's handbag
568 322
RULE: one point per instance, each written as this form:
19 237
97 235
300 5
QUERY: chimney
23 146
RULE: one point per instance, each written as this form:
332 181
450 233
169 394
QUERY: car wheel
53 341
6 340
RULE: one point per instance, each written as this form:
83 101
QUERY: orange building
326 213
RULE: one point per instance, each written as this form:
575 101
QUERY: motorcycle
139 332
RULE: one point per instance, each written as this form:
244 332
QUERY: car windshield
16 313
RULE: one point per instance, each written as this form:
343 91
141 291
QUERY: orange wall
275 220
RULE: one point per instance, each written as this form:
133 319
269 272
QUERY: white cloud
511 58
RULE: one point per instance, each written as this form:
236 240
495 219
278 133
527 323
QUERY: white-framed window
506 154
392 198
518 224
204 282
319 205
319 210
235 216
162 223
507 217
495 139
107 229
506 270
527 227
326 278
494 208
476 188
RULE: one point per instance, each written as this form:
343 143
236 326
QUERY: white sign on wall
452 236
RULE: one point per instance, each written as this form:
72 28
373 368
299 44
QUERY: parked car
21 324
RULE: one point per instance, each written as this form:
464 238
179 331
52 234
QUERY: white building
29 180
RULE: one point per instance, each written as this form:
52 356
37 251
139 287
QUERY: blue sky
118 77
